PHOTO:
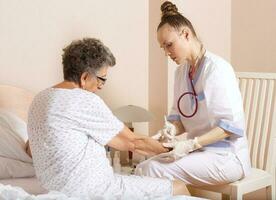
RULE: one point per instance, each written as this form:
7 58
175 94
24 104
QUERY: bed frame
16 100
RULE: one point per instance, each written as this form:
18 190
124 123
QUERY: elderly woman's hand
149 146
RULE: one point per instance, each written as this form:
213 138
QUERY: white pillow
10 168
13 135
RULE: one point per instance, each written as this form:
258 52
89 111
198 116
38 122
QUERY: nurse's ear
186 33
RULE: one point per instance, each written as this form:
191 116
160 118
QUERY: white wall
33 34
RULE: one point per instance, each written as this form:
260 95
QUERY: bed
17 101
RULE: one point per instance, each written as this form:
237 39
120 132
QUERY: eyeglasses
103 80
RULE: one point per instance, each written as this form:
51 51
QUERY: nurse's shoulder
216 64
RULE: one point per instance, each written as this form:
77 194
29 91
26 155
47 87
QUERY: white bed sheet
13 190
30 185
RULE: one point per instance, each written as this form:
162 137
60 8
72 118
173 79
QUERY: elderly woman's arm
126 140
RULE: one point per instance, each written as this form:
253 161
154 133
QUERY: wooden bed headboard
16 100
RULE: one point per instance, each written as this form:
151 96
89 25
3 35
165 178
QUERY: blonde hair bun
168 8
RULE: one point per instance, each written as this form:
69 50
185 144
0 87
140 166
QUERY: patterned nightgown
68 129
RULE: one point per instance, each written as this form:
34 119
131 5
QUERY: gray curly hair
86 55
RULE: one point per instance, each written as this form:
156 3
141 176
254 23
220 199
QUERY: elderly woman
69 126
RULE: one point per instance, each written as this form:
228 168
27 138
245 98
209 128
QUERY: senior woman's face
92 83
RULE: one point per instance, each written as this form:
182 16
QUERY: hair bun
168 8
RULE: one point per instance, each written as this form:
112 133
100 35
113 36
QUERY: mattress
30 185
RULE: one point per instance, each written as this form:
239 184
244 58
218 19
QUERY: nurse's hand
183 147
171 156
158 135
167 134
178 138
169 130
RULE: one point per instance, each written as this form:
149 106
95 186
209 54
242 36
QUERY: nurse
207 106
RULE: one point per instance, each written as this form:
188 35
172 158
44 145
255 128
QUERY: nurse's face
175 43
93 83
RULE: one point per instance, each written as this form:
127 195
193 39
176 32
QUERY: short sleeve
223 99
174 114
98 121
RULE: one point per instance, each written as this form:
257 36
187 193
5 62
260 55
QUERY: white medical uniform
68 129
219 104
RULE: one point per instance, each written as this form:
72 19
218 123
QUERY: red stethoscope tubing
193 93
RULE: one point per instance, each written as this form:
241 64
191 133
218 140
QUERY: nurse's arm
212 136
126 140
179 127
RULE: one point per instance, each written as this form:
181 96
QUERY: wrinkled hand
148 146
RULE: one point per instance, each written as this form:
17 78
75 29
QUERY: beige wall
158 71
33 34
253 35
253 44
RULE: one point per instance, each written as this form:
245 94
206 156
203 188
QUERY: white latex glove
158 136
169 130
177 138
167 133
182 148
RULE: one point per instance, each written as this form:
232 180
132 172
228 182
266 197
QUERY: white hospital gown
68 129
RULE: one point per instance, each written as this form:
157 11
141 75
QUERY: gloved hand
177 138
158 136
180 149
183 148
169 130
166 134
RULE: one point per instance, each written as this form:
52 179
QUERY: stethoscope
193 93
194 96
